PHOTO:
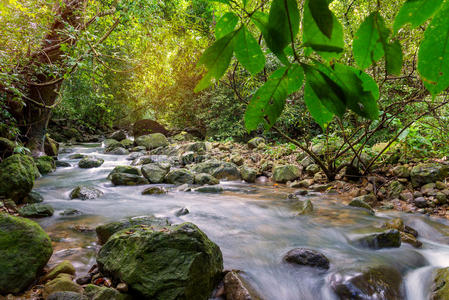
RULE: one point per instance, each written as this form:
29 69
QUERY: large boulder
286 173
144 127
218 169
45 164
104 232
152 141
440 287
17 174
171 262
24 250
90 162
155 172
428 173
179 176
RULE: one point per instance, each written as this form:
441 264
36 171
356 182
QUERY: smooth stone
90 162
155 190
85 193
211 189
63 267
66 296
155 172
360 203
62 283
282 174
307 257
62 164
124 169
386 239
182 212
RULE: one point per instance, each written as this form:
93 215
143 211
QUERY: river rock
255 142
395 188
51 147
235 287
17 174
173 262
96 292
421 202
135 155
138 149
36 210
204 178
127 144
154 190
24 251
218 169
307 257
401 171
85 193
117 151
211 189
359 202
381 282
33 197
127 179
124 169
427 173
118 135
45 164
63 267
179 176
182 212
385 239
90 162
66 296
152 141
187 158
303 207
155 172
70 212
440 287
105 231
62 283
286 173
248 174
77 156
62 164
196 147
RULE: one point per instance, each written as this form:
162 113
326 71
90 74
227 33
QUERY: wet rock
85 193
124 169
248 174
155 172
84 279
105 231
307 257
96 292
62 283
63 267
17 176
410 239
77 156
33 197
304 207
45 164
24 251
127 143
188 158
111 143
70 212
51 147
255 142
6 147
440 287
306 183
235 288
286 173
135 155
237 159
320 187
179 176
117 151
421 202
118 135
152 141
36 210
385 239
138 149
62 164
218 169
211 189
90 162
127 179
154 190
204 178
427 173
66 296
359 202
381 282
178 262
182 212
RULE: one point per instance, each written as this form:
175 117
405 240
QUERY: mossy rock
360 202
85 193
45 164
36 210
62 283
152 141
179 176
17 174
124 169
33 197
127 179
304 207
25 249
385 239
204 178
282 174
90 162
51 147
64 267
248 174
104 293
255 142
165 263
440 287
155 172
428 173
6 147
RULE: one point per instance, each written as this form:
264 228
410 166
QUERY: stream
254 225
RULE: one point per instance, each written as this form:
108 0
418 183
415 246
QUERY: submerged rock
152 141
359 202
304 207
85 193
62 164
286 173
105 231
211 189
173 262
182 212
36 210
90 162
24 251
17 174
381 282
378 240
307 257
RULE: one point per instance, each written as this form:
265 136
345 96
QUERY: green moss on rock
440 288
17 174
25 249
45 164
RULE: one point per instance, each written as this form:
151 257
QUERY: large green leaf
367 47
322 16
216 59
260 19
393 57
226 24
314 38
317 110
221 1
248 52
433 55
415 12
295 78
282 26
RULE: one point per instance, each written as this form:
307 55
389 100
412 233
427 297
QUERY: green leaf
248 52
260 19
216 58
367 47
415 12
226 24
317 110
221 1
433 55
295 78
244 3
393 58
322 16
282 26
313 37
273 92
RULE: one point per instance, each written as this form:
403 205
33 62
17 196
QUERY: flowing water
254 225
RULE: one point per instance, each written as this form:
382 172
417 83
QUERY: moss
124 169
62 283
64 267
45 164
440 289
36 210
286 173
17 174
24 250
152 141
